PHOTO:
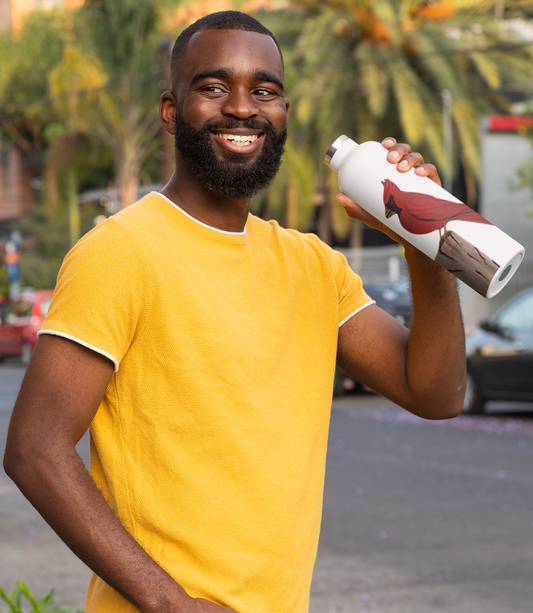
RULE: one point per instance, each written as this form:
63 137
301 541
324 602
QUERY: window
518 315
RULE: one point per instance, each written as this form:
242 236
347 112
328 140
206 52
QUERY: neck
221 212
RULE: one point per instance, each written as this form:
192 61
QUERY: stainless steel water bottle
426 215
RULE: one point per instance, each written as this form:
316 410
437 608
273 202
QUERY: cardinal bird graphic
421 213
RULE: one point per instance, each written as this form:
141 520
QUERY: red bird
421 213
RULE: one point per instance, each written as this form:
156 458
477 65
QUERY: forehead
237 50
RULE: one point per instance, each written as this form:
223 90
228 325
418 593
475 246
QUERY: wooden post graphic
466 262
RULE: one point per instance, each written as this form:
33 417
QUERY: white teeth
240 139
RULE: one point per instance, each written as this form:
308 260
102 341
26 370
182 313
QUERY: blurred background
80 139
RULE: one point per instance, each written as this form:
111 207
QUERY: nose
240 104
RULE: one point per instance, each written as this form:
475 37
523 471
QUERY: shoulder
303 250
300 242
115 246
128 230
141 217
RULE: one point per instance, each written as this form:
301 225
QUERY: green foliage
524 175
121 31
49 231
32 56
377 68
81 88
122 37
24 79
41 605
48 227
368 68
365 64
4 282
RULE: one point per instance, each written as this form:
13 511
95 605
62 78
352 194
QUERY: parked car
500 356
394 298
20 323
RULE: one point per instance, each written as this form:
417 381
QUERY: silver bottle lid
331 151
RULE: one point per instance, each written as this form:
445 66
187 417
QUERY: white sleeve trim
77 340
357 311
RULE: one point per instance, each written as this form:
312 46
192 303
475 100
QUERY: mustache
249 124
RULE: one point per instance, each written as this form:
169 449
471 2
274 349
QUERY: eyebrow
225 73
212 73
262 75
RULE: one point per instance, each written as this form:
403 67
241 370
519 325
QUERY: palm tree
372 68
76 86
112 66
124 37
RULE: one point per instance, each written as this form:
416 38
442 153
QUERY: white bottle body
376 185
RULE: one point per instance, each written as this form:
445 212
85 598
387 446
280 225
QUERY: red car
20 323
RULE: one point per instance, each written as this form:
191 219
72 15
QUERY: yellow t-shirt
210 442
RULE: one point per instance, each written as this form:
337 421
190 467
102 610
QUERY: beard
234 176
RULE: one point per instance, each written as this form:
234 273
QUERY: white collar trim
197 221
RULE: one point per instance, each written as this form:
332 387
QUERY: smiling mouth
241 140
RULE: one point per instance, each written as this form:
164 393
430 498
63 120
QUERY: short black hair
223 20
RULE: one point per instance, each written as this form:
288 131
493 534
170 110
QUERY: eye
263 92
213 89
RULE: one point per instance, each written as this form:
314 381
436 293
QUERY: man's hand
402 155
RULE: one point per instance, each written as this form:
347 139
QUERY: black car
394 298
500 356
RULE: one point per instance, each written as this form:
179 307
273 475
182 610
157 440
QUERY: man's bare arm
424 369
60 394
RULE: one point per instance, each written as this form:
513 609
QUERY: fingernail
403 164
338 197
393 155
387 141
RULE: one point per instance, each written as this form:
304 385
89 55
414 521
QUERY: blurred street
419 517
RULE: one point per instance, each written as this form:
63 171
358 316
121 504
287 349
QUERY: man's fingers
389 142
429 170
405 158
402 155
410 160
357 212
397 151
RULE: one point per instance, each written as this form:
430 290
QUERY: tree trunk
290 212
471 187
466 262
356 244
73 206
128 178
324 213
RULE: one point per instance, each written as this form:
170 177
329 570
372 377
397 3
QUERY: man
199 344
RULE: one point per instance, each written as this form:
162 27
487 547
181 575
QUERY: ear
167 112
287 107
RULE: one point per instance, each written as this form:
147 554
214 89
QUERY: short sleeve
351 294
102 294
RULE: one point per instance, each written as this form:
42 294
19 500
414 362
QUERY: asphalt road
419 517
